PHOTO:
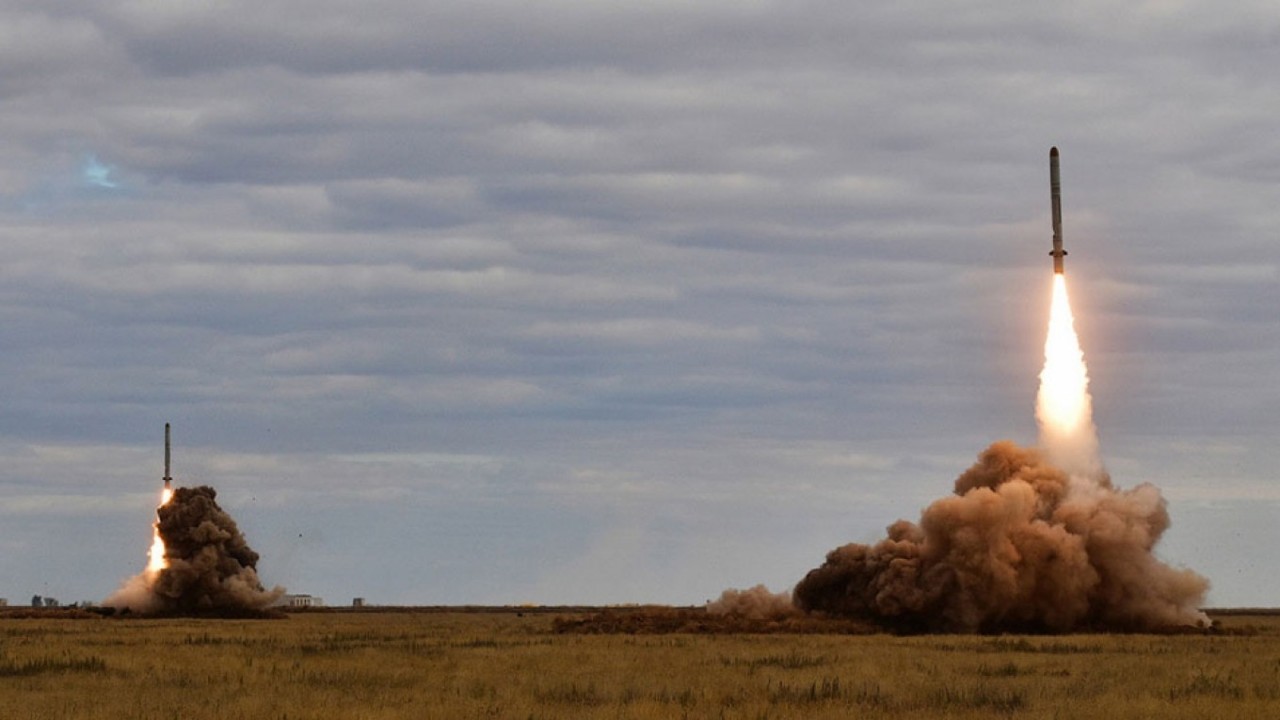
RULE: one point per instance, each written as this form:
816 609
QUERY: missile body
168 481
1055 198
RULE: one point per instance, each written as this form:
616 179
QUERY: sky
589 302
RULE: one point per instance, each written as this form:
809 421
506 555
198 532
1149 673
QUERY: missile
168 481
1055 199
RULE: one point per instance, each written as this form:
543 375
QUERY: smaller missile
168 481
1055 199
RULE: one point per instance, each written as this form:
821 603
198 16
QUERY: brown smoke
1020 546
755 603
211 570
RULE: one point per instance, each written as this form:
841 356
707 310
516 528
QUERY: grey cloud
617 246
478 36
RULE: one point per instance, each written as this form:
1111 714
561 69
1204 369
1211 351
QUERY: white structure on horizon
302 601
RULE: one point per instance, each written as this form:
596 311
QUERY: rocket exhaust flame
1064 409
155 557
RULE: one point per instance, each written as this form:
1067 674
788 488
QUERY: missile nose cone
1053 152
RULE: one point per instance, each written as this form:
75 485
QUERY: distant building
357 602
302 601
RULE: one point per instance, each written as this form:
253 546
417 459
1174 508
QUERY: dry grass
507 665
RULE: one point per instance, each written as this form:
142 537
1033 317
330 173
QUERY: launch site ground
540 663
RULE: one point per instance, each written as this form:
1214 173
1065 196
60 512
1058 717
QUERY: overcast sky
589 302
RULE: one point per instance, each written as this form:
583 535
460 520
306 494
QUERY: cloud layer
646 271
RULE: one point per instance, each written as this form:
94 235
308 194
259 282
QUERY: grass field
509 665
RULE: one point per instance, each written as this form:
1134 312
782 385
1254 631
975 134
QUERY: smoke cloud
1021 545
756 603
210 568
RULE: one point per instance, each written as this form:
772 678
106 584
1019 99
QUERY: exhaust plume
1064 408
208 568
1020 546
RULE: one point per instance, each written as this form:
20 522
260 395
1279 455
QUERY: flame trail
1064 408
155 557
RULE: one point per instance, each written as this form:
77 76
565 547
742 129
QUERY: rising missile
1055 198
168 481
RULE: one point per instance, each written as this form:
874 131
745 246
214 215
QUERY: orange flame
1064 408
156 560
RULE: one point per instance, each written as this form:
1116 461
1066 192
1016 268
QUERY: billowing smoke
756 603
1020 546
209 568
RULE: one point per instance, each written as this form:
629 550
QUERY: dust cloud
1020 546
209 567
756 603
